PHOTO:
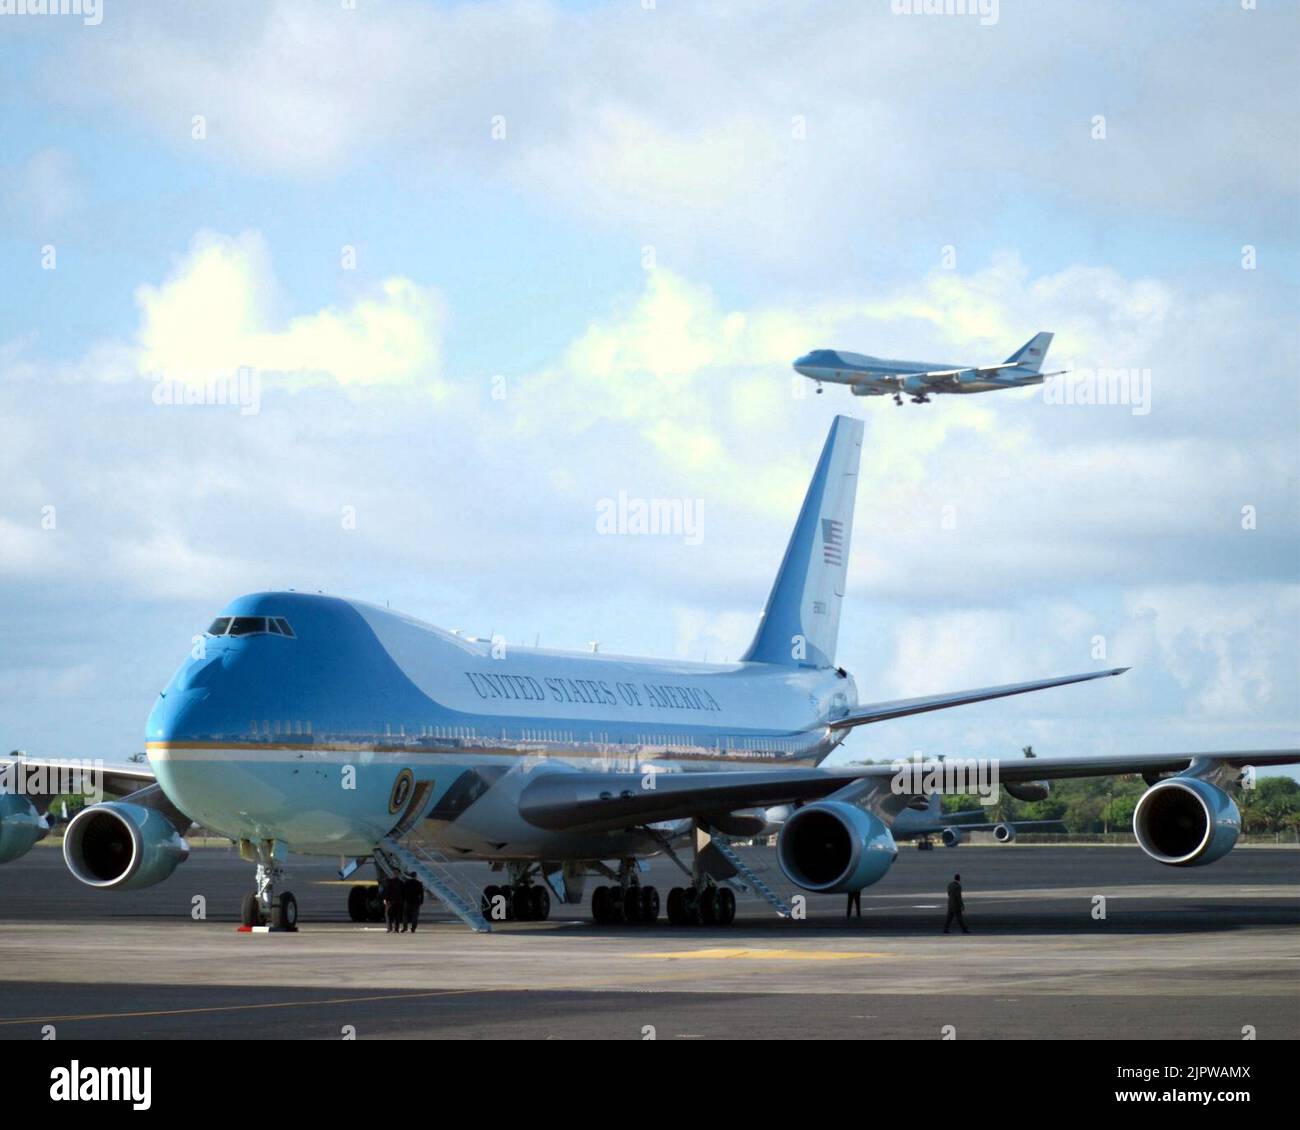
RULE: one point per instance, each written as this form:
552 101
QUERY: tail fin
1033 353
802 618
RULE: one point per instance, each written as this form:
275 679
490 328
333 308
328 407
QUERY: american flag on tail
832 541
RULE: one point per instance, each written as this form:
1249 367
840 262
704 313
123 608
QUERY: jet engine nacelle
1029 790
122 845
951 837
21 826
1004 833
1186 822
831 847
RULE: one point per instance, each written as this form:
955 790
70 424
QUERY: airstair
749 875
439 876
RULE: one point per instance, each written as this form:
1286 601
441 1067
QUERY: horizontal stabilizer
879 712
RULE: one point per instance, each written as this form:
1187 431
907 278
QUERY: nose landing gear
267 910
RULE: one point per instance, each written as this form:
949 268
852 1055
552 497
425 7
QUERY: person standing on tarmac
412 897
854 903
393 902
956 904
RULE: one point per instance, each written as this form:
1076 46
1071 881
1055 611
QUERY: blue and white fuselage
310 723
882 376
303 738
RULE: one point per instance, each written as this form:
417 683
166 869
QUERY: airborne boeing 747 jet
876 376
308 723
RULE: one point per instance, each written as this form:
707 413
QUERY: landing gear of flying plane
898 400
920 399
265 907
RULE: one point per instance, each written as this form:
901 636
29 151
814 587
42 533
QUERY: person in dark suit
412 898
393 902
854 903
955 906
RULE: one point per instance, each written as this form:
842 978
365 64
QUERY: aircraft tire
632 905
649 906
708 905
600 905
284 912
725 906
675 915
690 906
539 904
358 904
250 913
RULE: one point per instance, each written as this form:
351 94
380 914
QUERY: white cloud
472 509
760 129
37 195
1231 647
213 315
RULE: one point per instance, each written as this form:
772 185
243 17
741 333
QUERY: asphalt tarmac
1199 953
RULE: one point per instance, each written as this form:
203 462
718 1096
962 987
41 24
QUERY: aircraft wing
119 779
946 376
560 801
617 800
880 711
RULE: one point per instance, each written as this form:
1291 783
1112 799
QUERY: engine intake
1186 822
1004 833
121 845
831 847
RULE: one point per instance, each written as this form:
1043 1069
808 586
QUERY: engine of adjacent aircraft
21 826
831 847
1029 790
1186 822
121 845
1004 833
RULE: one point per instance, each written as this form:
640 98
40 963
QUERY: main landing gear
266 907
520 900
365 904
701 906
633 904
705 902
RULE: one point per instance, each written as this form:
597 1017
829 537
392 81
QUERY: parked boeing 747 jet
876 376
333 727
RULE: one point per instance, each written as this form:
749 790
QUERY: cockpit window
250 626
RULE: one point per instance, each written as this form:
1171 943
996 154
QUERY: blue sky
589 239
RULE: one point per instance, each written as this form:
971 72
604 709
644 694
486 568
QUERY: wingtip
1120 670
